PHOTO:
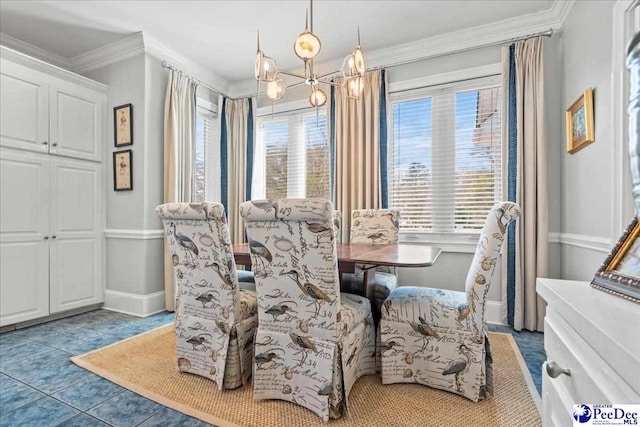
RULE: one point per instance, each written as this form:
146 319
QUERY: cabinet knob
45 142
54 236
46 237
55 144
554 370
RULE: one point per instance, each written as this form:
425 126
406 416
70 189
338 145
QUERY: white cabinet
44 113
52 187
595 336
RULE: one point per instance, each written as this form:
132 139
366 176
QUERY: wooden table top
400 255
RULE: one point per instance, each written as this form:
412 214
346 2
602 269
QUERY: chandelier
307 47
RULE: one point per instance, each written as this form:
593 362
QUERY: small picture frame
580 127
122 170
123 125
620 272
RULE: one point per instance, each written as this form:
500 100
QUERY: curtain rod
547 33
165 64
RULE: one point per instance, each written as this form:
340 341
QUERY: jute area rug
146 365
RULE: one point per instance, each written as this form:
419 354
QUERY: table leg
369 278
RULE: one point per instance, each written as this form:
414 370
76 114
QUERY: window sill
450 243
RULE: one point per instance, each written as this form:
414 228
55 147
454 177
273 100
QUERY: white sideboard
592 340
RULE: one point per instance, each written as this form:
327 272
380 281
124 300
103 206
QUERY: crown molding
199 72
109 54
444 44
34 51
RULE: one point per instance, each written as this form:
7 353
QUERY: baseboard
493 312
134 304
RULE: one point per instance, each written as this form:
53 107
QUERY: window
292 156
206 165
445 168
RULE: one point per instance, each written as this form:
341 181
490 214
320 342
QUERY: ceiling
221 35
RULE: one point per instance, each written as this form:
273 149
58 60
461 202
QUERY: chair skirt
453 360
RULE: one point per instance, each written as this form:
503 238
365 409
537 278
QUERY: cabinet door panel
24 224
24 109
76 221
76 121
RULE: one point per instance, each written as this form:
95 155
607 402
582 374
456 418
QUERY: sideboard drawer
592 380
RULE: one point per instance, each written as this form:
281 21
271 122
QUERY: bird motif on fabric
261 252
310 290
199 341
303 342
206 298
458 366
279 310
423 329
186 243
318 229
265 357
267 205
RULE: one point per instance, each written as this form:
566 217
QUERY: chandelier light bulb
317 97
355 86
275 89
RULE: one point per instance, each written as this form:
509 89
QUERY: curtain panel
356 128
237 137
526 171
179 126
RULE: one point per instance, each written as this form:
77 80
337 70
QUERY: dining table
364 257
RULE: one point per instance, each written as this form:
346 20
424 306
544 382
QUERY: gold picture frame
579 122
620 272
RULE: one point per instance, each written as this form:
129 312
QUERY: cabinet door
24 225
76 121
24 107
76 223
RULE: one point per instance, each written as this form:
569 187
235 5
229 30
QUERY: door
76 237
24 237
75 121
24 107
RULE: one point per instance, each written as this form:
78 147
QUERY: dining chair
438 337
374 226
312 342
337 225
216 316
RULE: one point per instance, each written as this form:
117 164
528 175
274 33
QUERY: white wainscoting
133 304
493 312
116 233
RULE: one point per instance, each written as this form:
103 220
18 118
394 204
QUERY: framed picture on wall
123 125
579 117
620 272
122 171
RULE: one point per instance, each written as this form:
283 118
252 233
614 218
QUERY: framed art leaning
620 272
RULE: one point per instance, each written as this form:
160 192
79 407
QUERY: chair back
205 270
337 225
377 226
486 256
294 258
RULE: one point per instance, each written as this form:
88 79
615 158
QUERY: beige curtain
179 124
531 240
236 115
357 150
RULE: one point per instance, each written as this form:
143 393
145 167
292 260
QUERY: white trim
493 312
553 237
202 73
136 305
280 107
621 209
114 233
109 54
53 70
594 243
35 51
444 44
446 78
448 243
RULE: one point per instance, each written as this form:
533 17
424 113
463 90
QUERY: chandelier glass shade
307 47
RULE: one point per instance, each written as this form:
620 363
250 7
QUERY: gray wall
586 178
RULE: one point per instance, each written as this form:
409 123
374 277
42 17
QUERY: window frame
211 160
477 78
295 115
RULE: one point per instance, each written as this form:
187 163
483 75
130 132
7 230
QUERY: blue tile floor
40 387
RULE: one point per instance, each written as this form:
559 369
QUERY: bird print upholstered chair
374 226
337 225
312 342
216 316
438 337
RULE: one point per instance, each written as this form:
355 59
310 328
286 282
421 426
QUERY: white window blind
445 171
292 156
206 164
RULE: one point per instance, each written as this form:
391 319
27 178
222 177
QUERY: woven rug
146 365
